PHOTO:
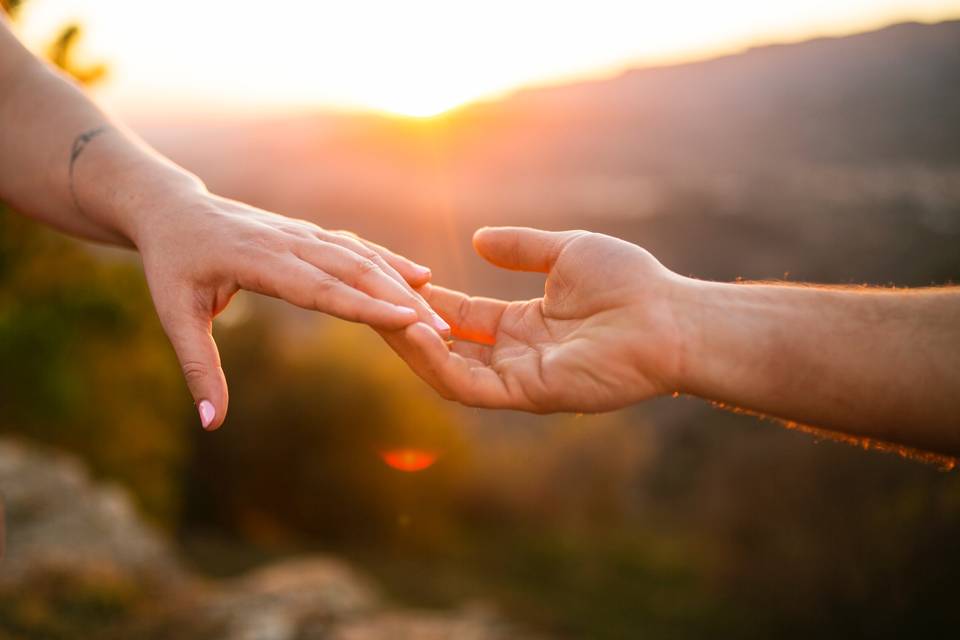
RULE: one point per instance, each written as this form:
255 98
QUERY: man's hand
603 335
615 327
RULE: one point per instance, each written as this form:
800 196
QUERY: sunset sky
416 58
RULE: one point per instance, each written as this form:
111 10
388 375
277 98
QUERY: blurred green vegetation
86 367
10 6
62 53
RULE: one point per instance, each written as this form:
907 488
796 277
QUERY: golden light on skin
421 57
409 460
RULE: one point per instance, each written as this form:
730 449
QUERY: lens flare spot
409 460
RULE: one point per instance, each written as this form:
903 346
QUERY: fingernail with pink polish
439 323
207 413
407 311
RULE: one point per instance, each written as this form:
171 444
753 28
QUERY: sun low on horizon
418 58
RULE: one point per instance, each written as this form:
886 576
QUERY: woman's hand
603 335
198 250
66 163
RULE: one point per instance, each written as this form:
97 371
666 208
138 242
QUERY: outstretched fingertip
414 274
480 234
521 248
485 241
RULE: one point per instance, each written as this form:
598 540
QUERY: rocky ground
79 562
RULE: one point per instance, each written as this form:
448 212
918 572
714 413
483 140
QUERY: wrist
125 187
143 199
156 200
697 309
727 333
666 325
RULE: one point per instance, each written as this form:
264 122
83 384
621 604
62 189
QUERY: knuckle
194 371
365 267
261 245
578 236
385 266
358 248
574 238
364 252
324 235
300 232
324 285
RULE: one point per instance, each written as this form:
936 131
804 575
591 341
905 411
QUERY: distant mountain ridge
835 159
887 95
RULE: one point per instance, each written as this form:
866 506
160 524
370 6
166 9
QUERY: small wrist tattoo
79 144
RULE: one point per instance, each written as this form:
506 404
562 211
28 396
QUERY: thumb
199 359
522 248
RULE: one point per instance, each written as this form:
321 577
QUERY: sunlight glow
421 57
409 460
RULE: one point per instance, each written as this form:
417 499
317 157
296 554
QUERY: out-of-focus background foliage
835 160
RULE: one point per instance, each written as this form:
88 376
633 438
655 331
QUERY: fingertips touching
368 274
426 352
465 380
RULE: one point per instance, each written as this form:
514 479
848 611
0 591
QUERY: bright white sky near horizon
418 57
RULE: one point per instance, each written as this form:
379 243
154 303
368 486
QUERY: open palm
562 352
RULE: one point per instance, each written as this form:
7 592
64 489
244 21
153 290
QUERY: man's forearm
883 364
64 162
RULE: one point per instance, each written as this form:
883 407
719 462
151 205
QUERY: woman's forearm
65 162
883 364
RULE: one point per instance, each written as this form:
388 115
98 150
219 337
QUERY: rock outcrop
81 563
58 519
